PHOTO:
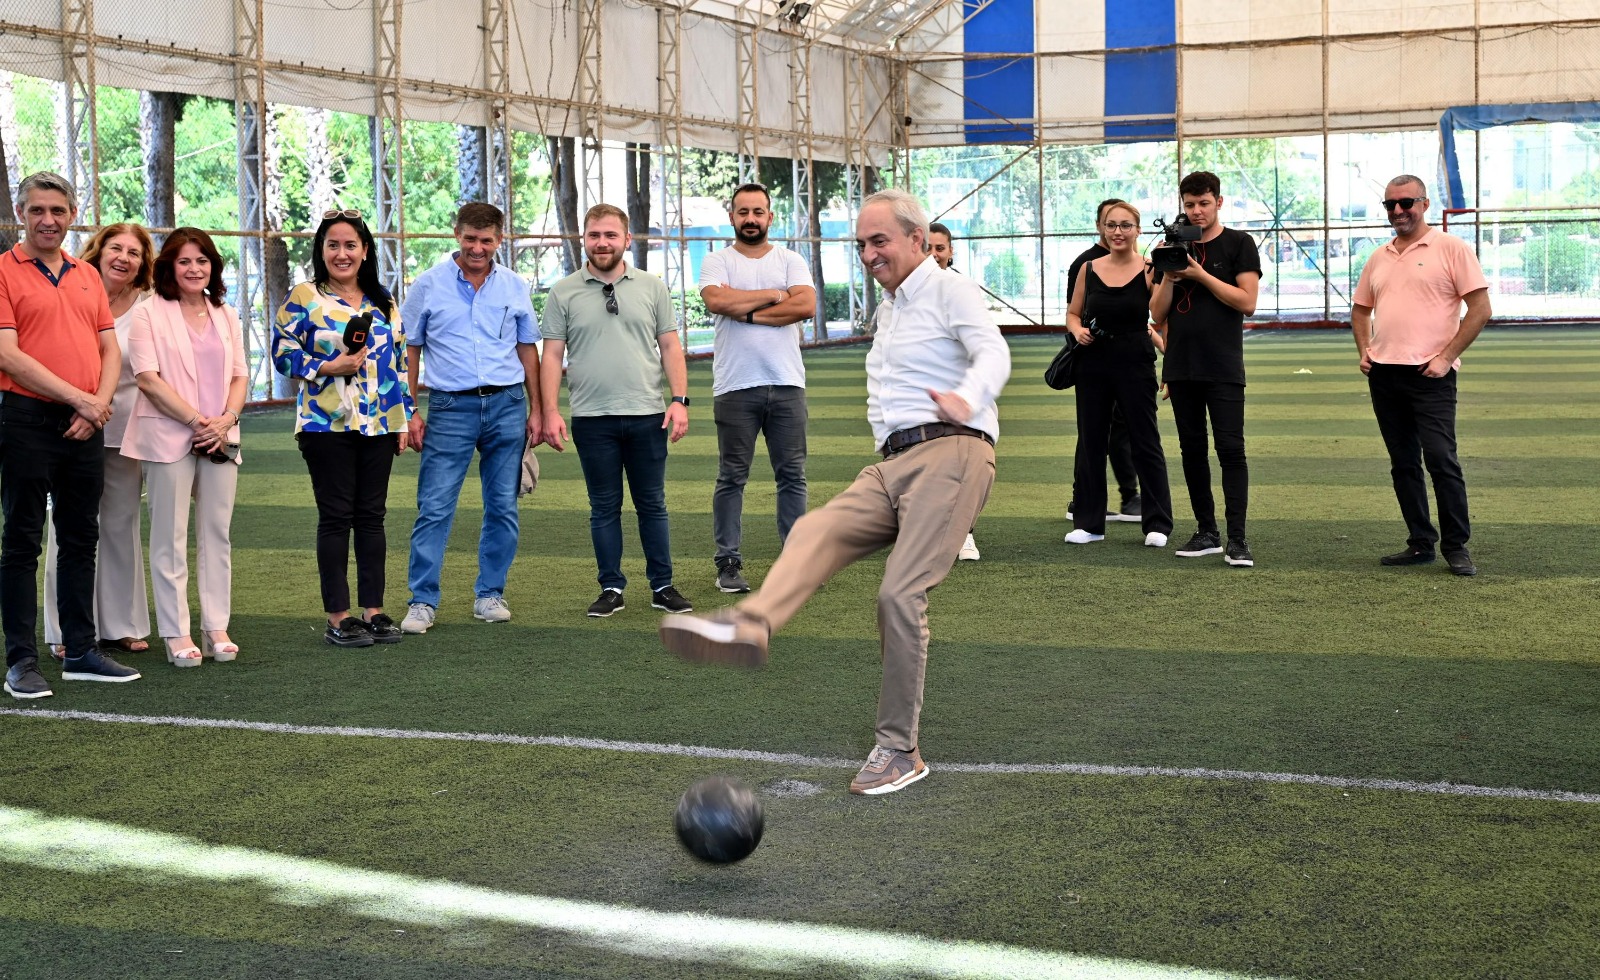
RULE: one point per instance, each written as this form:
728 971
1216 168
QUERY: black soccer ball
719 820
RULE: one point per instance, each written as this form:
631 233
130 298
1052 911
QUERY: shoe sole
386 639
1092 539
724 588
76 675
605 615
22 696
902 783
1198 554
669 609
491 619
348 644
1241 562
708 642
412 632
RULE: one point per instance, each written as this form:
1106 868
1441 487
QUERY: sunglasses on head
610 289
1403 203
341 213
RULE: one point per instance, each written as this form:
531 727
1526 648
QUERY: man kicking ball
936 366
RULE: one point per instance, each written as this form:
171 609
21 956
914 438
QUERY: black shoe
610 601
1238 555
1131 511
670 600
24 682
730 577
1203 543
383 629
92 665
351 632
1460 563
1411 556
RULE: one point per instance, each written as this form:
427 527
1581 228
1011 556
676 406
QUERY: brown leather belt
906 438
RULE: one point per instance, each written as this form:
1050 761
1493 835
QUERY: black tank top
1121 312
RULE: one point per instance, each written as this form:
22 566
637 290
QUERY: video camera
1172 255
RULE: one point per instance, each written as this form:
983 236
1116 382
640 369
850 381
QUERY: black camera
1172 255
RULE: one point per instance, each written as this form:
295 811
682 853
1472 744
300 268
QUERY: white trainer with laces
419 618
969 550
1155 539
491 609
1080 536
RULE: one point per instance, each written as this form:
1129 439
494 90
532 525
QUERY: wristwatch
681 400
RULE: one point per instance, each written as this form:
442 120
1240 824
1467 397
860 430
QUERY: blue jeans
496 427
608 447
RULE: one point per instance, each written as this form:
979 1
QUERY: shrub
1006 274
1558 264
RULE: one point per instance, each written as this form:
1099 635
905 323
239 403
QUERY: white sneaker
1155 539
491 609
419 617
969 550
1080 536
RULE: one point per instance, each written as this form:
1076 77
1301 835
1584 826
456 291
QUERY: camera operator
1204 306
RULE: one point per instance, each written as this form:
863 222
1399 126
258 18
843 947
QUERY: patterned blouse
374 401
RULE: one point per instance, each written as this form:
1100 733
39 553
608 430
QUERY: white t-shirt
753 354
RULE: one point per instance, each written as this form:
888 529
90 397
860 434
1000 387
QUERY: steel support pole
79 146
591 124
497 131
388 177
669 29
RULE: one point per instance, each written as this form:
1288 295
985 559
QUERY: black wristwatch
681 400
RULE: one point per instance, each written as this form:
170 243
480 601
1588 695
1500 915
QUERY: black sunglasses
610 289
1403 203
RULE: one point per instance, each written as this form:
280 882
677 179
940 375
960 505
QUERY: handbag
1060 375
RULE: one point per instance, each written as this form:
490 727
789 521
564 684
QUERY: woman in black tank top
1109 317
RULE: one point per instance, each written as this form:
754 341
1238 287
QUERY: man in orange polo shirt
59 365
1410 354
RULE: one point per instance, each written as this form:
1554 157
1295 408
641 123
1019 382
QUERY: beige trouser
922 501
212 486
121 606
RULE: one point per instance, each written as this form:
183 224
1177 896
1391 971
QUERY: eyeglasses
1120 226
1403 203
341 213
610 289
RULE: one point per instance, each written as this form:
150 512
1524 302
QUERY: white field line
92 847
820 762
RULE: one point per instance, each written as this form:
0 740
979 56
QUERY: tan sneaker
888 770
726 636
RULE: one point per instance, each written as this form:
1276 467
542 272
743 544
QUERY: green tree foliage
1559 264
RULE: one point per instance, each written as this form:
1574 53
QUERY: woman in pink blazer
188 359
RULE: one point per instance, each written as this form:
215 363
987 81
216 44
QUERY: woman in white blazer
188 358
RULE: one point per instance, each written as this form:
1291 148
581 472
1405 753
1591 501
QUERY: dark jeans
350 480
1120 452
608 447
1192 401
1417 416
779 412
36 460
1099 396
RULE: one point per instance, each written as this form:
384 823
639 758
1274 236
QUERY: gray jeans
779 412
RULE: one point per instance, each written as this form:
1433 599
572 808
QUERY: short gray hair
907 210
1409 179
46 180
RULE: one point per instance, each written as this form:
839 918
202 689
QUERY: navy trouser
1417 416
609 447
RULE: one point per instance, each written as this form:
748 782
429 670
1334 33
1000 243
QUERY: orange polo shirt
58 323
1416 295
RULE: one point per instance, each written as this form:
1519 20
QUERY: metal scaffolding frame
250 117
79 146
590 92
388 176
669 29
749 119
497 143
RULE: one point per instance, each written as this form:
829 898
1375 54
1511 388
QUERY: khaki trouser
922 501
170 488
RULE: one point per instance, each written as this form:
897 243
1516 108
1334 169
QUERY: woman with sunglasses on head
1109 316
339 338
188 358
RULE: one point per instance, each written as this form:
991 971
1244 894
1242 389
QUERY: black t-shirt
1123 314
1089 255
1205 336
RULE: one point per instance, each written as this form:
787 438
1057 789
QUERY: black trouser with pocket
1192 402
1099 393
37 460
350 480
1417 416
1120 452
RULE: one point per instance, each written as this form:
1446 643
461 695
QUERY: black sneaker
24 682
92 665
1460 563
1238 555
730 577
1203 543
610 601
670 600
1130 513
1413 555
351 632
383 629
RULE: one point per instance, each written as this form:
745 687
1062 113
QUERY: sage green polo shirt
613 359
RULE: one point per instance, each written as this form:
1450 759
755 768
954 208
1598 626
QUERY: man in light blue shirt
475 321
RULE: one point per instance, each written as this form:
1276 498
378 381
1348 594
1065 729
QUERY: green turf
1316 661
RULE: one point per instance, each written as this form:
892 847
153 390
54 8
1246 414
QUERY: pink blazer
158 340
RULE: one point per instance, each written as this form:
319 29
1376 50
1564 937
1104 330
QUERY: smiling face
46 215
121 258
939 248
343 253
193 271
1119 227
1407 221
605 240
751 217
477 248
889 252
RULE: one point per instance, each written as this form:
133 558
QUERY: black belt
482 391
906 438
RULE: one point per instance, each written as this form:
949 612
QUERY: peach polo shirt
58 323
1416 295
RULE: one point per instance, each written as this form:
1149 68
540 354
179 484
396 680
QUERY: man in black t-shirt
1204 307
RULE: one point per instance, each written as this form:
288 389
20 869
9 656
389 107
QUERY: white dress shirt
934 332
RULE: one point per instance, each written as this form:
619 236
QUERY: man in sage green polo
616 326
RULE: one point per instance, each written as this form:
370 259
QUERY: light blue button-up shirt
471 335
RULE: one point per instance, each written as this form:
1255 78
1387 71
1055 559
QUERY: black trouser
1192 401
1133 390
36 461
1417 416
1120 452
350 479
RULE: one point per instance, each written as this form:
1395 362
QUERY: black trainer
1413 555
351 632
1203 543
1238 555
670 600
1131 511
610 601
1460 563
730 575
24 682
383 629
92 665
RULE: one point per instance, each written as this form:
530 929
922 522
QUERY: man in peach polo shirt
1410 353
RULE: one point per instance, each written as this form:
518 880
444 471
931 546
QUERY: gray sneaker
419 618
888 770
24 682
491 609
730 575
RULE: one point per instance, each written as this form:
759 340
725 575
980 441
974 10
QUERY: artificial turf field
159 850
